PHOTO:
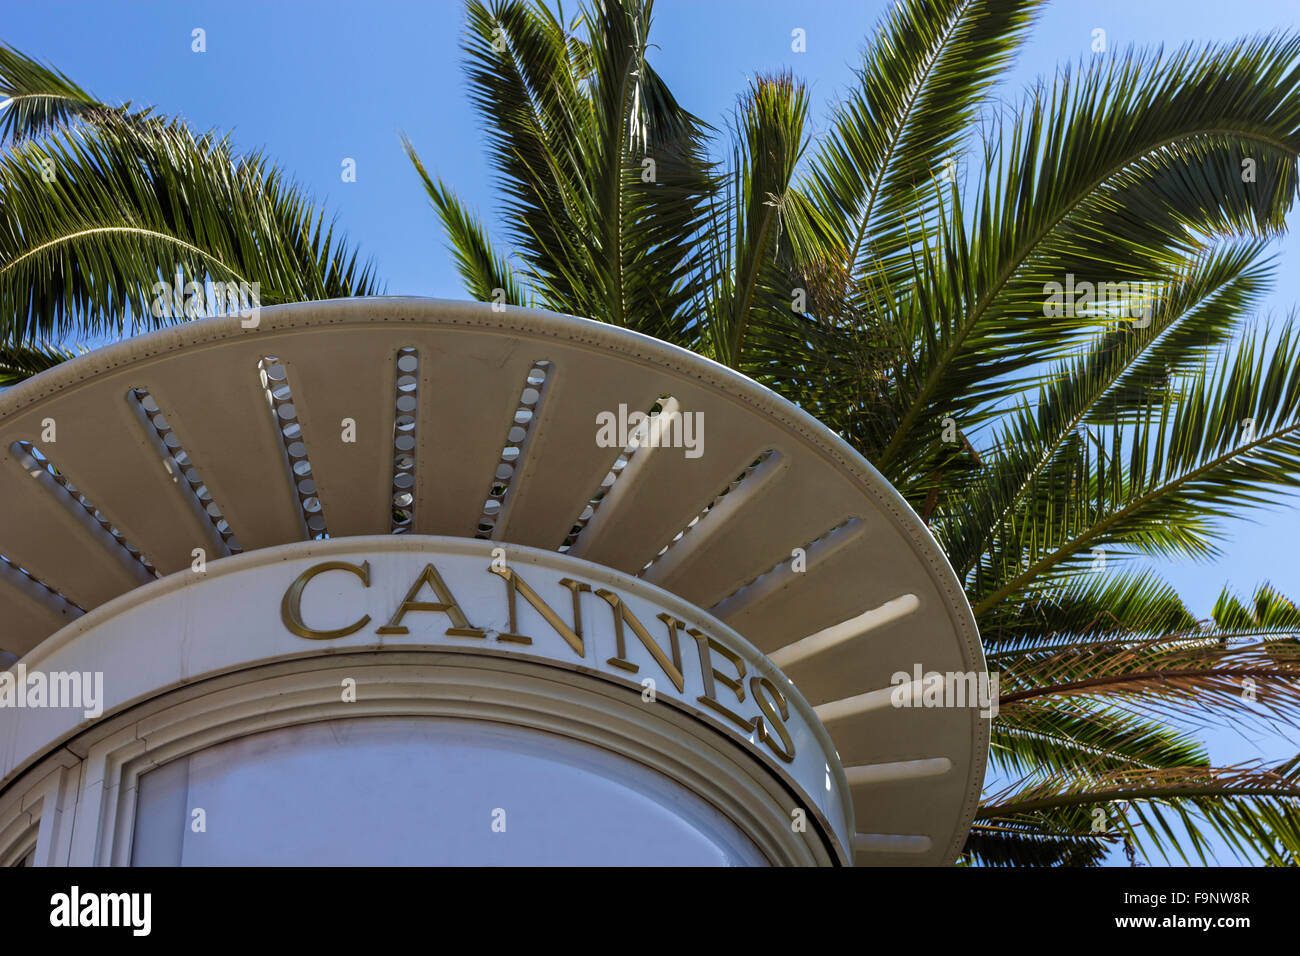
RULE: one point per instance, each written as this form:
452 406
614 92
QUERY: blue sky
316 83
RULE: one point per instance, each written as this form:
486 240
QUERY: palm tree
102 203
865 281
893 279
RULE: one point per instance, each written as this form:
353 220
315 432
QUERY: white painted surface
188 627
341 360
412 792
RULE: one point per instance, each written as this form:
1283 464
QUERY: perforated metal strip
37 456
635 441
184 467
530 399
717 499
275 382
406 407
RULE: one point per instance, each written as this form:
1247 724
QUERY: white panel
421 793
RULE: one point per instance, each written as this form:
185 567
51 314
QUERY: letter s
760 687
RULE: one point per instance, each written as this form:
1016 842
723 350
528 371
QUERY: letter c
291 606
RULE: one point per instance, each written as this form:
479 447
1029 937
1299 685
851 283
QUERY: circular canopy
416 416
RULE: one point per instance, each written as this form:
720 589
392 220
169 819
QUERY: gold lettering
446 604
710 696
576 588
291 605
756 687
770 726
515 584
673 668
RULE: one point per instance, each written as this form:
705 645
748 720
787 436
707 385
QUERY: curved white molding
808 545
242 612
97 810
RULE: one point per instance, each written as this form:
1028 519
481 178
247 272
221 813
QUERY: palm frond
1116 176
1113 379
1012 843
1231 440
1081 734
1252 808
929 68
36 99
1182 679
486 274
605 176
94 217
1095 608
20 362
1270 612
751 247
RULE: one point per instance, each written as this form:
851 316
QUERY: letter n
516 585
672 668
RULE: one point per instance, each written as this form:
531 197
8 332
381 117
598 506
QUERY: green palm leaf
19 362
1090 182
921 82
486 274
36 99
95 216
1084 734
605 176
1231 440
1254 809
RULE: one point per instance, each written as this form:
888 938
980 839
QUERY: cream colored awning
396 415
